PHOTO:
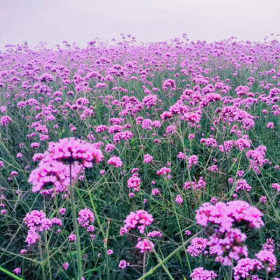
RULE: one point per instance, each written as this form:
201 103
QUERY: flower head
69 150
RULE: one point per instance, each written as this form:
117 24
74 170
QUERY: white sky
81 21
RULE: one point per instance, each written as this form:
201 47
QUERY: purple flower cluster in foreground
37 222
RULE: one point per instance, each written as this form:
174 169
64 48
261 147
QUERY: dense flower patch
140 161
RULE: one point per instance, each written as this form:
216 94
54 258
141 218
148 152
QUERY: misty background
81 21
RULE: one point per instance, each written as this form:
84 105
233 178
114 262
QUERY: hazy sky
81 21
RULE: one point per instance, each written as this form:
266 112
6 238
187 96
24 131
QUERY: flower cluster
225 215
137 220
123 264
155 233
134 182
86 219
140 220
148 158
53 174
242 184
49 177
268 259
257 158
145 245
227 241
265 260
5 120
37 222
69 150
202 274
197 246
245 267
115 161
200 184
228 246
164 171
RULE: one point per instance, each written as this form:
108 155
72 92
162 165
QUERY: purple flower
5 120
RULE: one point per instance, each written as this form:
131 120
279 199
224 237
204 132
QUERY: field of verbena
191 123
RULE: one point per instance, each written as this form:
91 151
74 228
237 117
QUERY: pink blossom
134 182
268 259
115 161
123 264
62 211
201 274
145 245
154 234
179 200
150 100
164 171
72 237
241 184
276 186
225 214
197 246
257 158
192 160
270 125
139 219
200 184
169 84
69 150
156 191
148 158
65 266
110 147
181 156
86 217
5 120
17 271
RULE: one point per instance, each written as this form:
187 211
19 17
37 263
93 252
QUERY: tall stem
76 229
266 274
42 259
144 263
48 255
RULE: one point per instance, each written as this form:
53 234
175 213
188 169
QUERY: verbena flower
5 120
137 220
134 182
69 150
37 222
115 161
197 246
123 264
145 245
86 218
202 274
245 267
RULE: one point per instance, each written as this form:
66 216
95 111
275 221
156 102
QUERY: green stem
41 257
163 266
151 271
106 247
144 263
104 235
266 274
48 255
76 228
10 274
182 239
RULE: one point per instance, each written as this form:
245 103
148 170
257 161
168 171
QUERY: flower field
140 161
